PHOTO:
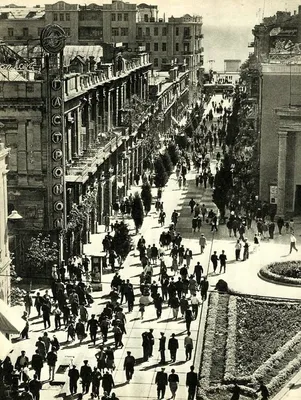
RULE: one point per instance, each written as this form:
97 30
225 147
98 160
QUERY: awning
10 319
5 347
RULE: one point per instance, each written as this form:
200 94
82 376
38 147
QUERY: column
109 110
282 149
117 106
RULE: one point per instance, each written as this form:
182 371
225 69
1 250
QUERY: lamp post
13 218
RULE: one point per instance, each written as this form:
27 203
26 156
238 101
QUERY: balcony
200 36
82 165
187 37
187 52
251 44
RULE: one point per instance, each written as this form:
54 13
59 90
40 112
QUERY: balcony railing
251 44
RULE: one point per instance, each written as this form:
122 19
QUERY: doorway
297 210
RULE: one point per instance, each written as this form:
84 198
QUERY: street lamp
14 215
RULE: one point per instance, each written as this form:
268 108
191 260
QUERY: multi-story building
4 253
80 138
177 39
275 79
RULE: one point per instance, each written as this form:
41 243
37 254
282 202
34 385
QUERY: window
139 32
113 17
119 17
177 46
10 32
54 16
147 31
147 46
25 32
62 17
126 17
156 63
156 31
163 46
125 45
164 31
156 46
115 31
186 32
145 17
164 61
67 31
124 31
67 17
177 32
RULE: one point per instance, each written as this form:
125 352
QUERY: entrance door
298 200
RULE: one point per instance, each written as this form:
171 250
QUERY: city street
240 276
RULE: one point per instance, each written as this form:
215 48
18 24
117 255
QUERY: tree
146 196
222 186
182 141
137 211
122 241
173 153
167 163
161 176
42 250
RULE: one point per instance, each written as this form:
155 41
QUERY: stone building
85 142
4 251
176 39
276 79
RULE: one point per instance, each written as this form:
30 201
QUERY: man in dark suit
173 346
22 360
191 383
73 378
161 381
37 363
162 343
86 376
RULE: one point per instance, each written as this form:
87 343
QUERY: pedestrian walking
235 392
161 382
202 243
195 303
188 344
174 303
191 383
162 346
51 361
107 383
28 303
293 241
93 326
188 318
222 260
204 288
151 341
37 363
173 345
173 381
237 250
73 379
263 391
86 376
35 386
246 250
128 366
80 331
198 271
145 346
214 260
38 303
96 378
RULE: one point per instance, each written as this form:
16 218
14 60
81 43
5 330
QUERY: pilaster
282 153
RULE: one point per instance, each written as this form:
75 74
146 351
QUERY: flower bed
230 362
283 272
264 327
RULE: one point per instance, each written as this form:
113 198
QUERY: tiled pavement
241 276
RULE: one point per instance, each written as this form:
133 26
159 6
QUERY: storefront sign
273 194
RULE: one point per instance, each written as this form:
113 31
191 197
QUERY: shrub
137 211
283 272
173 153
146 196
167 163
161 176
122 241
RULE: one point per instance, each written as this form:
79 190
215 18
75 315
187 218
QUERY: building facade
275 79
77 142
4 251
175 40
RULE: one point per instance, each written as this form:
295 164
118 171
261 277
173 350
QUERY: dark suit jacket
161 378
192 379
162 342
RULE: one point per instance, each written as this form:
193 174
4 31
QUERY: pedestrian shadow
148 367
120 385
72 346
139 361
150 320
156 227
181 333
134 319
165 320
180 362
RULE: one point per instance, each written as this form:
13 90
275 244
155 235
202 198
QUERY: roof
22 12
10 320
11 75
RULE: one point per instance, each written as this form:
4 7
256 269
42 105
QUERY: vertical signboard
53 42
